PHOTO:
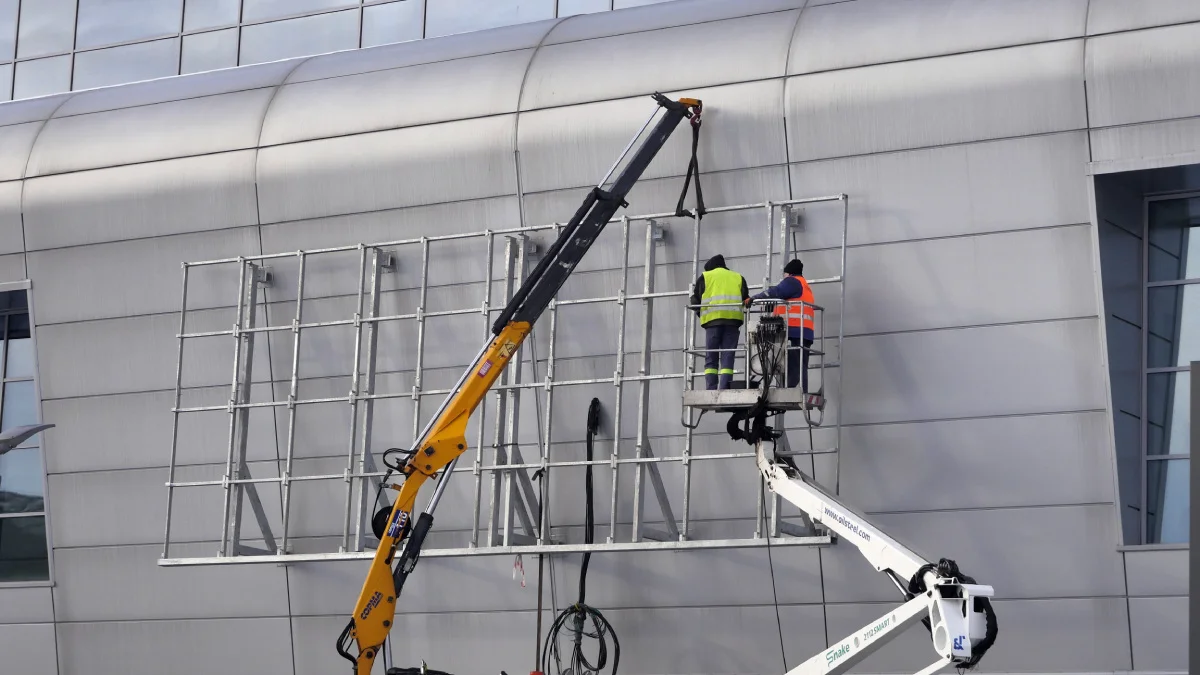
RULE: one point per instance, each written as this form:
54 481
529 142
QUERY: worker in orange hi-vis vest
799 319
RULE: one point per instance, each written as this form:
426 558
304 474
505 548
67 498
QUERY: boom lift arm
955 609
443 440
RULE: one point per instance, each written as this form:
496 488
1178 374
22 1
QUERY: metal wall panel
1143 76
196 126
23 605
650 18
866 32
944 280
142 647
114 356
1155 139
323 429
555 155
31 110
1012 461
984 541
1109 16
937 192
1157 572
12 267
93 584
1028 368
28 648
175 196
93 431
79 283
1040 636
1158 629
737 50
463 160
398 97
15 143
999 93
140 496
11 228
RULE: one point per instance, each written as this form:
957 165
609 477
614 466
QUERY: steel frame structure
511 524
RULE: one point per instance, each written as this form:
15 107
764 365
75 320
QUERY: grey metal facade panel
943 280
937 192
28 648
77 283
398 97
1153 139
12 267
887 376
736 50
26 605
15 143
12 234
866 32
128 355
469 159
175 196
31 110
93 584
654 17
197 126
142 647
1157 573
1109 16
1143 76
983 541
555 155
93 431
1087 635
1000 93
1159 633
140 496
1014 461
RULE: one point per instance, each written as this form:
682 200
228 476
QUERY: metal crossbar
507 515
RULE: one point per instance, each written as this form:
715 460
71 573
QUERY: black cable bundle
579 613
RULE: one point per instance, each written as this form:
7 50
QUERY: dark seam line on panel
25 175
1123 320
787 149
945 146
1087 111
1143 29
1128 605
516 130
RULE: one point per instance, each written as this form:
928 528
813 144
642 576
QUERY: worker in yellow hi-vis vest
718 299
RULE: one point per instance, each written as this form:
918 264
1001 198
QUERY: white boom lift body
957 625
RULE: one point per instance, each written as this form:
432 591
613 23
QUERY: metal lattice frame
511 524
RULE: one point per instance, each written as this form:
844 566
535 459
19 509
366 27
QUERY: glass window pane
6 73
130 63
445 17
1167 501
46 27
20 406
299 37
20 347
14 300
209 51
573 7
1167 399
1174 320
260 10
201 14
107 22
23 555
1171 223
21 481
42 77
394 22
8 29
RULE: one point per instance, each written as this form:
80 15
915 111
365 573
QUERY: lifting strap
693 169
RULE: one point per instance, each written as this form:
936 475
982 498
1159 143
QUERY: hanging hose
579 614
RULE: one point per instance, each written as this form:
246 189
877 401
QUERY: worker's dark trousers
798 361
718 365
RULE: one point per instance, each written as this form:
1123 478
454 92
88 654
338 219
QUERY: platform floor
739 399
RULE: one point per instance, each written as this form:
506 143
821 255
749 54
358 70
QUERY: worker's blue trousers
718 365
797 362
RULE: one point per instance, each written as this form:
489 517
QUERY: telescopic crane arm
442 442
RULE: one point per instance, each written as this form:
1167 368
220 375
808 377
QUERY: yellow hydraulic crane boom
444 439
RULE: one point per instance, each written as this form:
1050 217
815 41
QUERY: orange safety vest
799 315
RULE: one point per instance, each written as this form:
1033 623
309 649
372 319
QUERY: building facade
1021 181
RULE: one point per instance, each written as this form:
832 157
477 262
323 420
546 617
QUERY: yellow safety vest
722 288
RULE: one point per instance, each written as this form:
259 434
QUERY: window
1170 342
24 551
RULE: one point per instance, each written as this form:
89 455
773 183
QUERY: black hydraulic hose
593 424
